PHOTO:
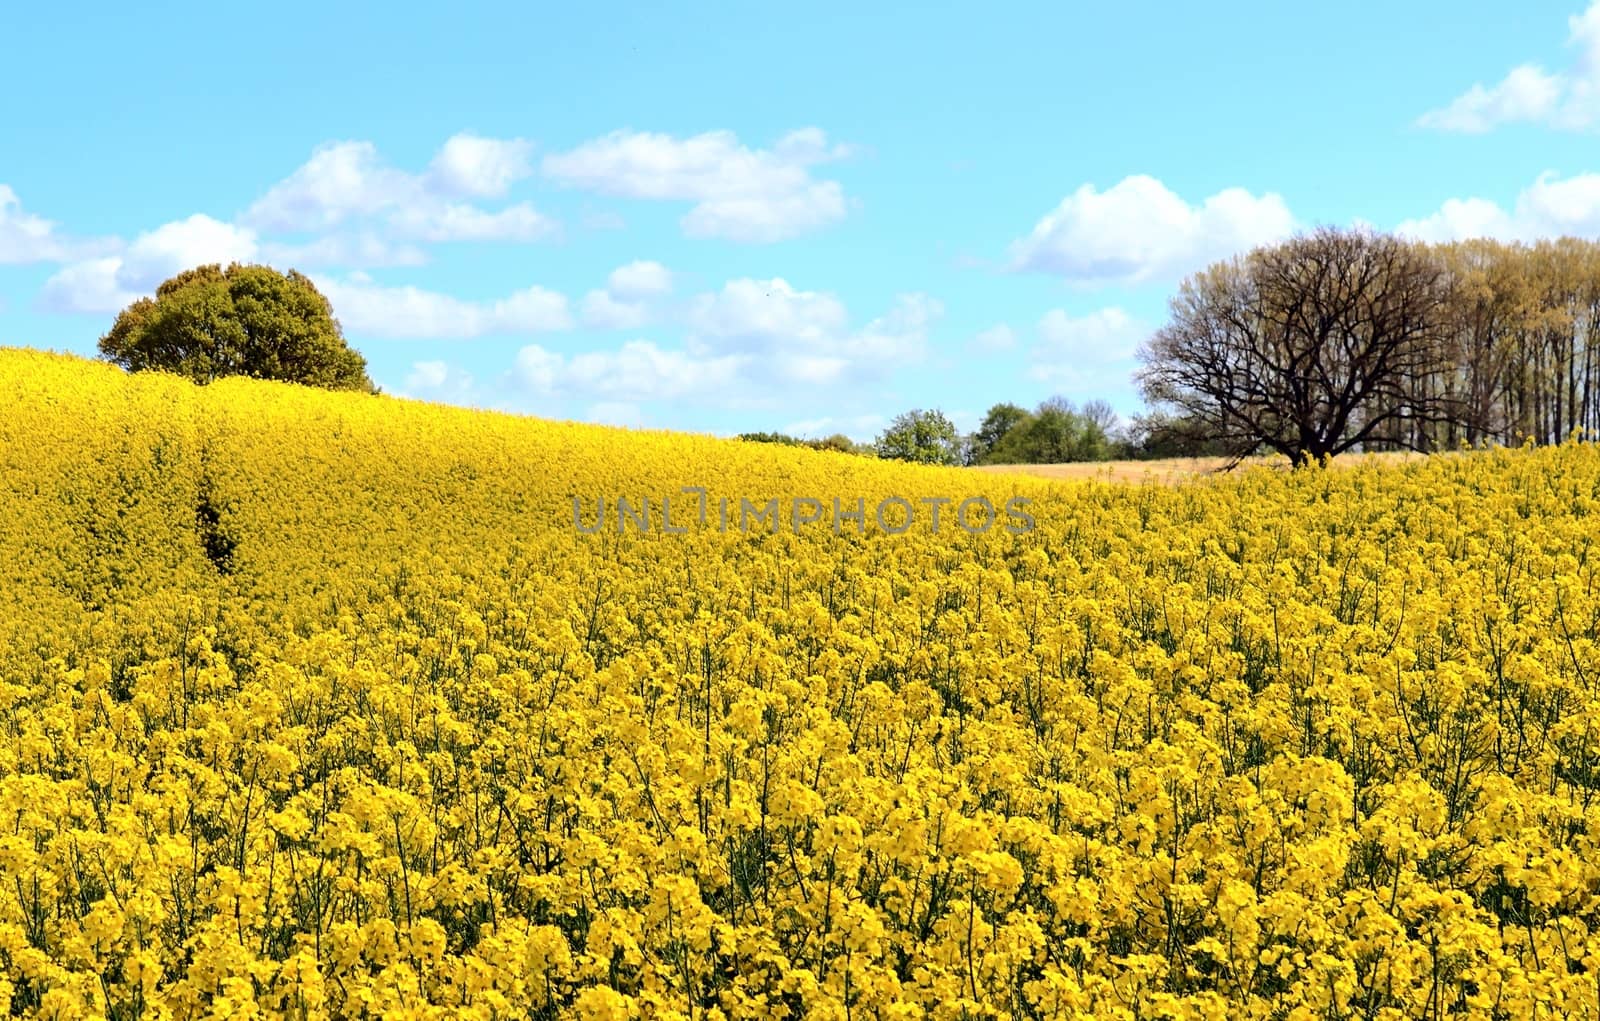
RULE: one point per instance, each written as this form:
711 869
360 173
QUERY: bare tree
1310 347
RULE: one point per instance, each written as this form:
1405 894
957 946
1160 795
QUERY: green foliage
783 438
1160 434
1054 433
997 421
843 444
207 323
927 437
838 442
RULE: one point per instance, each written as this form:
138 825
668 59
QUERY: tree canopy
924 436
248 320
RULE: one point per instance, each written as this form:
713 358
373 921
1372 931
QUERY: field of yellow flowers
318 705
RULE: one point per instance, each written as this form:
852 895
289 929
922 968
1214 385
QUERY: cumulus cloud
24 236
757 314
1550 207
477 167
603 311
456 221
1139 230
637 371
805 336
739 193
627 301
110 283
745 343
900 336
641 278
1087 351
364 307
88 286
435 380
341 180
1566 100
363 249
347 181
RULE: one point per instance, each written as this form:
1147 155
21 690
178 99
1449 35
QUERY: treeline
1356 340
838 441
1519 350
1054 432
1332 341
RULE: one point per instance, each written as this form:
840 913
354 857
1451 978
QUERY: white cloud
764 218
428 375
1567 100
364 249
348 181
182 244
746 343
751 313
440 381
899 337
1139 230
999 337
639 370
470 165
1526 94
110 283
605 312
459 222
1461 218
25 237
1550 207
1094 350
805 336
638 279
341 180
739 194
625 303
410 312
88 286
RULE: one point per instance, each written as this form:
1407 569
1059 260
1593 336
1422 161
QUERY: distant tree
1159 434
997 421
1101 415
838 441
1308 347
843 444
923 436
207 323
1054 433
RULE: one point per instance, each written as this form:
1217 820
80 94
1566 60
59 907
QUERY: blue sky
731 217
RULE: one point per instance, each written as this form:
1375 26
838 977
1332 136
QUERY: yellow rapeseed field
319 705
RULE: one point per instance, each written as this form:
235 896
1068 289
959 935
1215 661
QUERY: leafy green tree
207 323
1158 434
997 421
843 444
927 437
769 437
838 441
1053 434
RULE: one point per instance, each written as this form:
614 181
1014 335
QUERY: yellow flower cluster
318 705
